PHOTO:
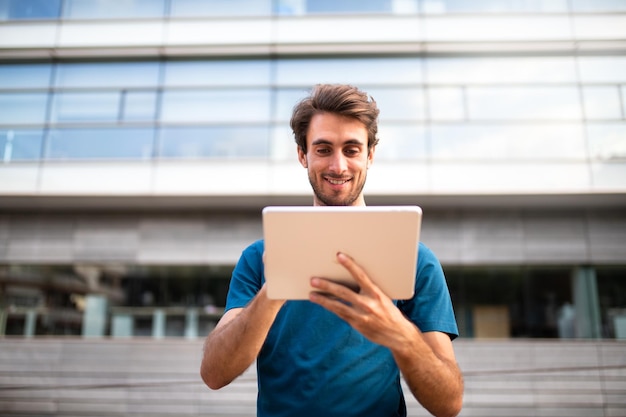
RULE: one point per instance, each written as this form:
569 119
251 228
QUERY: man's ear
370 156
302 157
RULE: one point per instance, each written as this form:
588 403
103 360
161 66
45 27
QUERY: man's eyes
348 151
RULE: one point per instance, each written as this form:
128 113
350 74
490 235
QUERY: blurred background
140 139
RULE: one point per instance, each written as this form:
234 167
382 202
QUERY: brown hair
344 100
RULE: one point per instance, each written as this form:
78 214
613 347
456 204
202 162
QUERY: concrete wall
460 237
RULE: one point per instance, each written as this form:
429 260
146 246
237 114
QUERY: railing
156 322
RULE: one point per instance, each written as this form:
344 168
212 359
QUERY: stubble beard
332 200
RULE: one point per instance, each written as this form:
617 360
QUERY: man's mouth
335 181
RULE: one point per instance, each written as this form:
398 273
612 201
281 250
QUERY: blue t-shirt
314 364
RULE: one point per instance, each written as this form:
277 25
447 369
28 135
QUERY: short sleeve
247 278
431 307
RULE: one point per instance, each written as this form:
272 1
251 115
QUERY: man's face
336 160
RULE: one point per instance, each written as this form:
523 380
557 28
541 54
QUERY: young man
341 352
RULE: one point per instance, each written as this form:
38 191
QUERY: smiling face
336 159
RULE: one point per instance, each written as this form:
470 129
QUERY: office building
140 140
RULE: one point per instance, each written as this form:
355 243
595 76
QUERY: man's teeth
337 182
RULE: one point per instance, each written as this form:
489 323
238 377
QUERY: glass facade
148 9
513 108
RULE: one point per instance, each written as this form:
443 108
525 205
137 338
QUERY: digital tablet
302 242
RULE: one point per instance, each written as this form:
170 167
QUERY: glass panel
493 6
18 145
356 71
22 108
348 6
398 142
102 75
217 73
24 76
29 9
100 143
139 105
283 145
216 106
195 8
517 103
85 107
623 100
607 141
214 142
602 103
512 142
446 104
612 296
300 7
286 99
98 9
598 5
602 69
501 70
405 104
399 103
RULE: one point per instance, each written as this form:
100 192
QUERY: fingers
355 270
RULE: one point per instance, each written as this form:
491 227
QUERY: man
341 352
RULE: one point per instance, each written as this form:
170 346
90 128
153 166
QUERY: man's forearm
435 381
232 347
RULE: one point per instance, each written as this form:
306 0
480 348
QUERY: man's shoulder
256 247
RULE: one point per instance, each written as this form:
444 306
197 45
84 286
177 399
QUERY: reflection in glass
607 141
19 145
446 103
493 6
217 73
17 76
508 142
609 69
496 70
283 145
286 99
602 102
405 104
29 9
110 143
598 5
22 108
195 8
518 103
401 142
214 142
107 74
85 107
250 105
139 105
98 9
348 6
356 71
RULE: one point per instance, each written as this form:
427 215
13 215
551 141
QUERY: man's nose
338 163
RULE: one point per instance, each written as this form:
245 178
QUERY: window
235 106
22 108
111 143
214 142
98 9
29 9
20 145
523 103
217 73
23 76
